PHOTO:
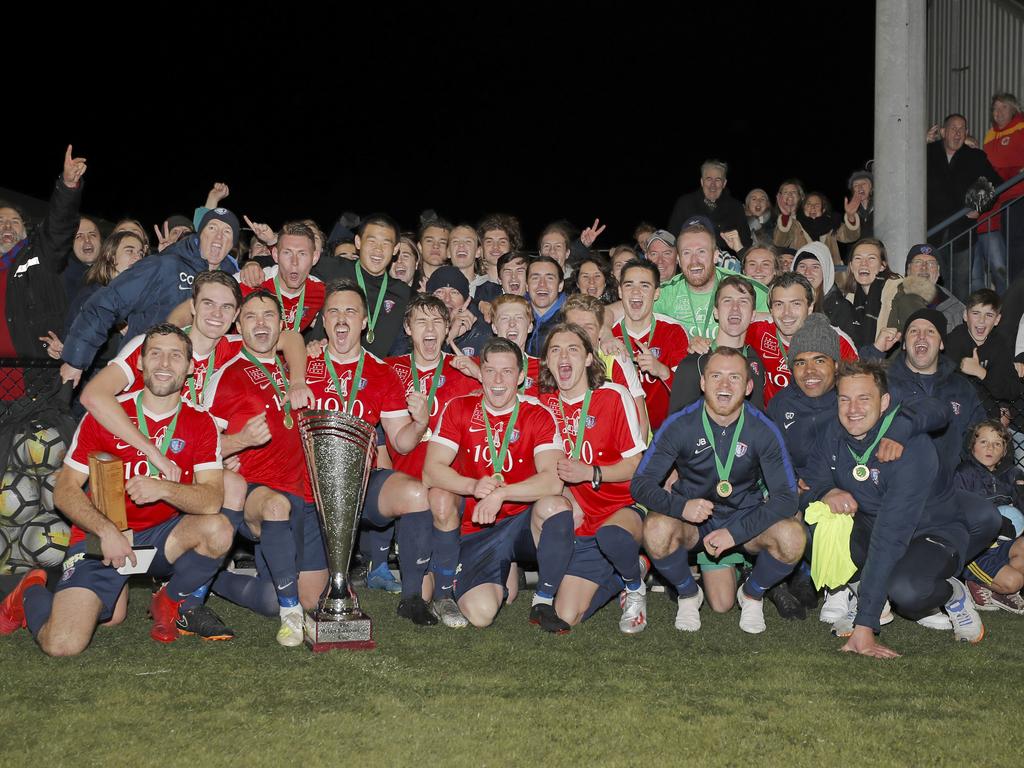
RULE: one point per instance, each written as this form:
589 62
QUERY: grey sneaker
836 605
843 626
447 610
688 613
634 611
967 626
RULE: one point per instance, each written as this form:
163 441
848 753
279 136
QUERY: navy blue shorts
310 551
297 503
987 564
588 562
486 557
371 502
104 580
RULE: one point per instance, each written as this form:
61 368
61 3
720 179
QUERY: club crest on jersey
741 450
388 306
955 406
656 351
177 445
591 421
754 367
515 436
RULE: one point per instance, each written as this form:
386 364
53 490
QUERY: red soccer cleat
12 609
165 613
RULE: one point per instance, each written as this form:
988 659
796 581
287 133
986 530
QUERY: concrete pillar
900 126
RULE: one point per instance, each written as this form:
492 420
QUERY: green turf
511 695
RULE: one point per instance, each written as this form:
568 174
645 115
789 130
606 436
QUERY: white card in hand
143 559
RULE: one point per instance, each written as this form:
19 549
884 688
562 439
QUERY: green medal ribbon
282 393
206 377
372 320
724 487
581 425
625 335
435 382
300 310
861 471
358 377
498 458
144 429
782 346
693 312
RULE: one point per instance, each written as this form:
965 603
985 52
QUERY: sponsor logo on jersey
770 345
790 415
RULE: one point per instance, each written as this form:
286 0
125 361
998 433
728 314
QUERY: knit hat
815 335
222 214
933 316
858 175
177 220
448 277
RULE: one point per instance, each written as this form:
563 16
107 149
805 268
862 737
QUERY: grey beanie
815 335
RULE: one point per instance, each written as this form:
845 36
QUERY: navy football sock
252 592
676 571
278 547
198 596
414 535
622 552
37 601
374 544
192 571
443 561
767 573
554 552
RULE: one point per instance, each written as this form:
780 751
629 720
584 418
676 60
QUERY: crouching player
603 443
500 454
189 546
727 455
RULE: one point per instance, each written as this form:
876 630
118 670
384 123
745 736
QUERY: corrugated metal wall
975 48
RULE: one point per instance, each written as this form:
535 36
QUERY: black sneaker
548 619
802 588
416 610
202 621
785 603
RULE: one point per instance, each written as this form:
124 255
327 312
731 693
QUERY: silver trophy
340 451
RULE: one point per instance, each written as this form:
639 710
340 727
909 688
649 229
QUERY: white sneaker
688 613
886 617
447 610
751 613
937 620
843 627
835 605
967 626
290 634
634 611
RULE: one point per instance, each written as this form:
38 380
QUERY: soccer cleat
164 611
751 613
1013 603
536 613
938 621
548 619
634 610
786 603
202 621
688 612
447 610
803 589
836 605
967 626
291 633
381 578
886 617
982 596
12 609
416 610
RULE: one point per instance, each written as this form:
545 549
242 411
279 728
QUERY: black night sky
546 110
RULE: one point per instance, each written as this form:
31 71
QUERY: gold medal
724 488
288 421
499 478
369 336
861 473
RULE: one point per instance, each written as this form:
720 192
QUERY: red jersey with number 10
462 429
669 345
194 447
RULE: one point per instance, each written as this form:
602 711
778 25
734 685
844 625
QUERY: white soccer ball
44 541
19 498
39 450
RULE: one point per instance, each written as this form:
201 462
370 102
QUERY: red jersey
128 361
239 391
195 447
462 429
762 336
312 301
611 434
453 383
669 345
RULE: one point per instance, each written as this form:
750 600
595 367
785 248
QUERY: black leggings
918 584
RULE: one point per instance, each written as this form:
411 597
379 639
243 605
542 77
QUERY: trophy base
345 634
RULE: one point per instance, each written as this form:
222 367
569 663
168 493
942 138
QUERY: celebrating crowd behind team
744 403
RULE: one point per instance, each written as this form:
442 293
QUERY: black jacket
727 214
1001 385
948 182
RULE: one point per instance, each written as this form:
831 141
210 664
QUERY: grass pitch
512 695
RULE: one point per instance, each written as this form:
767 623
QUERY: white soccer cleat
751 613
937 620
290 634
688 613
967 626
447 610
634 611
835 605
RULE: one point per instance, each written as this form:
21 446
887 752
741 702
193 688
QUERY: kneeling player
726 452
189 547
603 443
500 454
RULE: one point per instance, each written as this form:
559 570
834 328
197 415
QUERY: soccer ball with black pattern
39 450
8 536
47 483
19 498
44 541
